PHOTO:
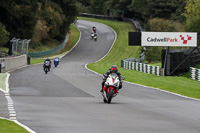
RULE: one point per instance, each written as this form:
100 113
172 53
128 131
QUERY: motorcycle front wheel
110 95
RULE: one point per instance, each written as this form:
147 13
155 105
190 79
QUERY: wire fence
48 52
19 47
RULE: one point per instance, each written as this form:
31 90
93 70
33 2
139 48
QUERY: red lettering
168 39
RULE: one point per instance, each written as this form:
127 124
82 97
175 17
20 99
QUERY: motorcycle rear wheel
46 70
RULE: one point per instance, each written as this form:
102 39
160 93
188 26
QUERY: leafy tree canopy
4 35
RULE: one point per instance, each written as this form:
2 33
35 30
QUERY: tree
139 9
119 7
52 15
4 35
97 7
192 14
70 12
19 16
161 8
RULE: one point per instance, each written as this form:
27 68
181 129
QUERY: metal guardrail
134 21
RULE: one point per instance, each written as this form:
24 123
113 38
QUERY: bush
4 35
164 25
153 54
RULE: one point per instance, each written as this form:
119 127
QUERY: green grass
2 81
7 126
180 85
4 49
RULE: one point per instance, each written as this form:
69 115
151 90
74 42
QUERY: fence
195 73
156 70
48 52
19 47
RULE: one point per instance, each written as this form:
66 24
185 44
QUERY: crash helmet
114 68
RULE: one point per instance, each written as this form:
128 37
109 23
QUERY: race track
67 99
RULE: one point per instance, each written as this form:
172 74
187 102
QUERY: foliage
38 19
19 16
139 8
70 11
153 54
96 7
40 32
160 25
192 14
4 35
52 16
161 8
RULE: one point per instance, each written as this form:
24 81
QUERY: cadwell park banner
182 39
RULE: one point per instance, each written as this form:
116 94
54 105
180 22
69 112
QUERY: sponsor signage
182 39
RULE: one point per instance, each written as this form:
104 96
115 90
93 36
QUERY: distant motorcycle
56 62
111 87
46 66
94 29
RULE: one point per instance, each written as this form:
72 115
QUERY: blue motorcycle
56 62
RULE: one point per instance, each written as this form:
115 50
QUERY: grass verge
2 81
180 85
10 127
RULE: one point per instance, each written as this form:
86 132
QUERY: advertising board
182 39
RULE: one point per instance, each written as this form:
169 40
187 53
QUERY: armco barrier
134 21
141 67
48 52
11 63
195 73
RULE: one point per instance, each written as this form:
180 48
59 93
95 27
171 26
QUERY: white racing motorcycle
111 87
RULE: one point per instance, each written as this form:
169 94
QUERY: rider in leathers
113 69
48 62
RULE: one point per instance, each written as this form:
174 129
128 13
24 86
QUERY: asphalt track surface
67 99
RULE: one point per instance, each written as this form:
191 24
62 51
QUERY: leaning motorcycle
111 87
